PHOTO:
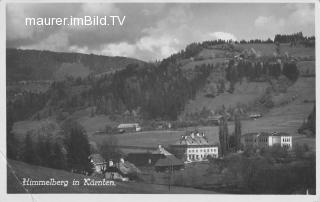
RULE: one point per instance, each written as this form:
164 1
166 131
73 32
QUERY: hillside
18 170
189 86
29 65
246 92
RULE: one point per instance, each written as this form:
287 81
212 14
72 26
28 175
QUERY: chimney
198 134
192 135
160 146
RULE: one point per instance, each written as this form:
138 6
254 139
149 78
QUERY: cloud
269 22
120 49
223 36
303 14
55 42
301 17
151 31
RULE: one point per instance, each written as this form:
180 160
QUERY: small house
98 163
123 171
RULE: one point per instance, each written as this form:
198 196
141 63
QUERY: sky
153 31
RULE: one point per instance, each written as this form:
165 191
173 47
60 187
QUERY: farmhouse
148 158
122 171
129 127
194 147
216 120
98 163
263 140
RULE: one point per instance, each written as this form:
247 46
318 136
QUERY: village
189 153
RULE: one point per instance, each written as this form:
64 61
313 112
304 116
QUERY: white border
142 197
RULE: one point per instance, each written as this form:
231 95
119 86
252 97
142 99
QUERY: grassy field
18 170
71 69
246 92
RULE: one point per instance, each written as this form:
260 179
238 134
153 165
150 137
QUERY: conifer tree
237 131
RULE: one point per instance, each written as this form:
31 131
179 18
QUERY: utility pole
170 174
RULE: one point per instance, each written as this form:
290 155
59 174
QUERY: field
18 170
287 118
71 69
244 93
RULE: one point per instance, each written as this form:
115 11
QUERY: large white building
263 140
194 147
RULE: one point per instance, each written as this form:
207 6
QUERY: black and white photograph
160 98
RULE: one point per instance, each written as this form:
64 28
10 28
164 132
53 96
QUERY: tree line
294 39
69 152
256 71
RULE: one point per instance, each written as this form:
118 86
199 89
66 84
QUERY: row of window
202 150
286 145
286 139
199 157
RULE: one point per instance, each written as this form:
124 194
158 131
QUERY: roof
257 134
266 134
280 134
194 138
128 125
161 150
126 167
97 159
169 160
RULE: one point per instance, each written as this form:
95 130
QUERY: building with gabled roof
169 162
194 147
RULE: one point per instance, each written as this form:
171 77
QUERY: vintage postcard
185 98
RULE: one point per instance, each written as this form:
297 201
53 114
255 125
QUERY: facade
129 127
194 147
264 140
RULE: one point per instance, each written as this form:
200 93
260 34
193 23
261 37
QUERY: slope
18 170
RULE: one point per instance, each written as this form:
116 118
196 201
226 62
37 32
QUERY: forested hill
149 91
27 65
